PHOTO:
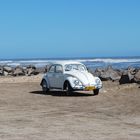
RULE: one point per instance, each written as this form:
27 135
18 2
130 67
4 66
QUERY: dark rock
1 70
31 70
31 66
18 71
124 79
128 76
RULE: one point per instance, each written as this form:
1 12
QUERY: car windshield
79 67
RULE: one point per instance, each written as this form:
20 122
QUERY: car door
59 77
51 76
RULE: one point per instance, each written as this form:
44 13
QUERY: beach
50 51
26 113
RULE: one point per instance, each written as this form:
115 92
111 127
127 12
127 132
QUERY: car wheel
96 92
68 89
44 87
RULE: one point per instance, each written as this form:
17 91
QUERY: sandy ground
27 114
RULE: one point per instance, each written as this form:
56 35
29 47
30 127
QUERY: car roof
65 62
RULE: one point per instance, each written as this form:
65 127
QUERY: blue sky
69 28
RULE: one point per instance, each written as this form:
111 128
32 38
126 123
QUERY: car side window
59 69
52 69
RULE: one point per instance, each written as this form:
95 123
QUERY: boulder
127 76
18 71
131 73
31 70
7 69
1 70
131 70
31 66
110 74
124 78
5 73
137 77
98 72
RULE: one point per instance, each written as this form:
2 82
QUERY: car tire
68 88
45 87
96 92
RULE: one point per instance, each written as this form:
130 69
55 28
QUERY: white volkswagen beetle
70 76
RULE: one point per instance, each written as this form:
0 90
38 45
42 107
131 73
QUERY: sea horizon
67 58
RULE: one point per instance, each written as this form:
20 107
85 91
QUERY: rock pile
20 71
131 75
108 74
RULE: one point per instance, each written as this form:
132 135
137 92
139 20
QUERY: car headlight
77 83
98 81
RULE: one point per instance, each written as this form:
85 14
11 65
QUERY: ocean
116 62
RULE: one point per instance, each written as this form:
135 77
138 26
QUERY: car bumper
87 88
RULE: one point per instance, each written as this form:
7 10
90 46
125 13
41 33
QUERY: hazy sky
69 28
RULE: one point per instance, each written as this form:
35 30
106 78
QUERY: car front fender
71 81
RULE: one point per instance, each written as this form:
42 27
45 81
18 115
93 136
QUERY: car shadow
62 93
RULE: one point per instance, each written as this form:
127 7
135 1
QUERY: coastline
124 76
27 113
